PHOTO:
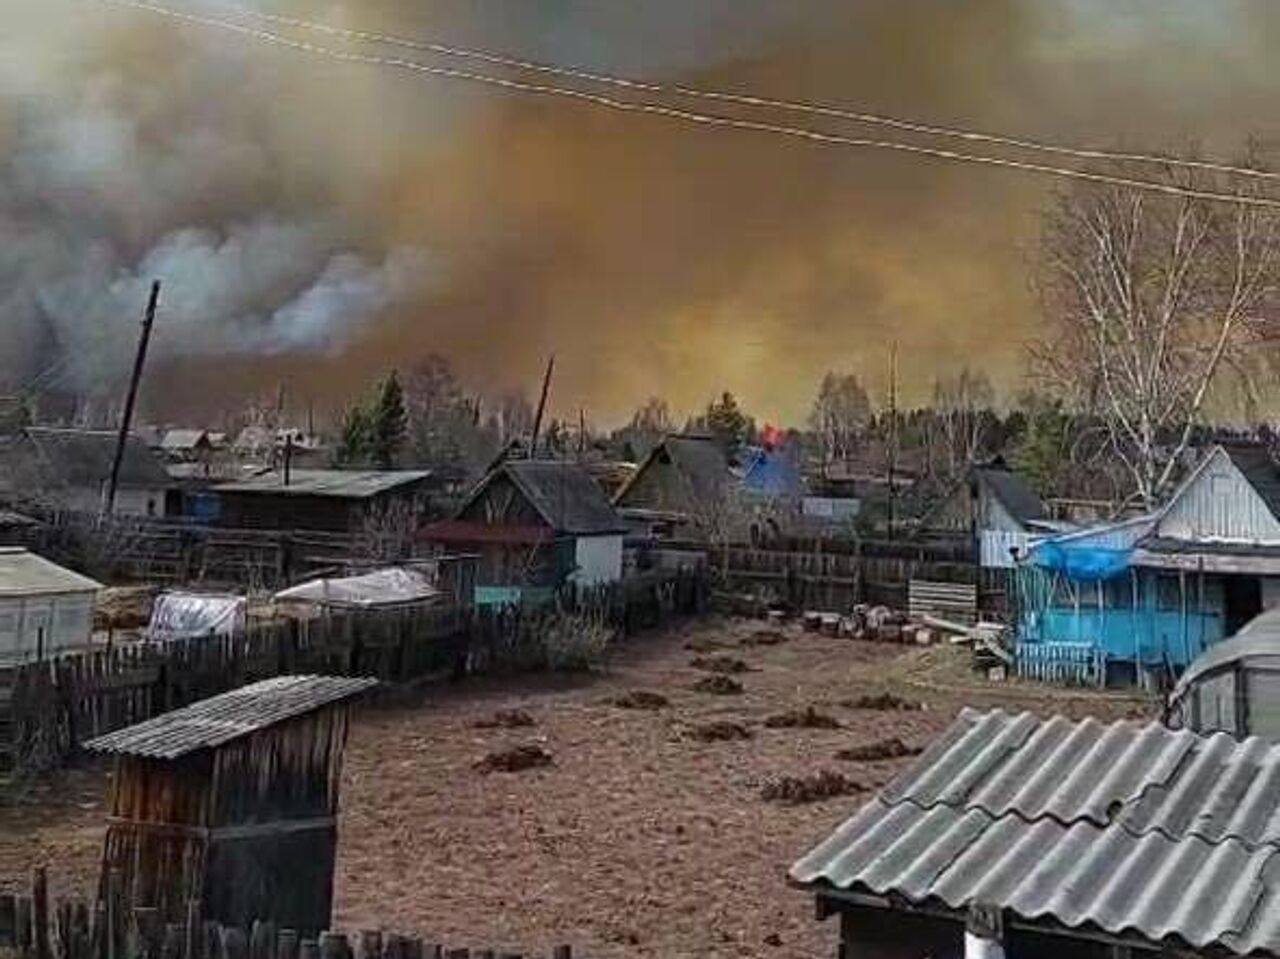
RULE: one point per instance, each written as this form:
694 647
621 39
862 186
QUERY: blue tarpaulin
1088 563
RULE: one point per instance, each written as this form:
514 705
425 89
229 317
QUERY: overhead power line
810 108
694 117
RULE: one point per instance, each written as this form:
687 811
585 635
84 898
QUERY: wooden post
8 923
193 932
22 924
40 913
135 378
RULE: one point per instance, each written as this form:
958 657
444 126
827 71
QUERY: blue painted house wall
1152 632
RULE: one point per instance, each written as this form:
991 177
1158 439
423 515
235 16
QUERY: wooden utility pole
542 407
893 437
582 433
126 421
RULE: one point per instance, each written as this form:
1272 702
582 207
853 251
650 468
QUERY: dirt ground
641 837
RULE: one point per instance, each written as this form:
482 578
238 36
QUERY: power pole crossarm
126 421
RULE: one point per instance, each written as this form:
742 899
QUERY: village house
1057 839
44 609
1149 594
680 483
337 501
70 469
186 446
536 526
995 509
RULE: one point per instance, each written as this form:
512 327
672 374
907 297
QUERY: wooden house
1056 839
70 469
536 527
682 480
1159 589
233 802
338 501
997 510
44 609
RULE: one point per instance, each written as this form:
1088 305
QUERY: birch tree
1151 300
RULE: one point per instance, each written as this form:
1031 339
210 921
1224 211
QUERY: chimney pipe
288 456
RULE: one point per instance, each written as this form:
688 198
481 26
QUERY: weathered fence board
1073 664
32 927
53 705
957 602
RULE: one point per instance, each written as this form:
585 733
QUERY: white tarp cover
385 587
193 615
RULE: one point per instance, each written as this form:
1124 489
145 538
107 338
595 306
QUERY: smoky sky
316 223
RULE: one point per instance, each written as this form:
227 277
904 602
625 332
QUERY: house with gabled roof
1152 592
683 478
70 469
997 509
537 527
1021 836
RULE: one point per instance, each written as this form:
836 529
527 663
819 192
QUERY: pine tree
390 424
357 436
728 424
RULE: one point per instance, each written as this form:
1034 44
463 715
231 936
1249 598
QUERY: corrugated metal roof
26 574
1124 827
347 484
221 719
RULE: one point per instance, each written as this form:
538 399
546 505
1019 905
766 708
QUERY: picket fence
34 928
1070 664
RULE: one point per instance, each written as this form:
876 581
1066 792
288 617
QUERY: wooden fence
50 707
821 580
164 551
1071 664
32 927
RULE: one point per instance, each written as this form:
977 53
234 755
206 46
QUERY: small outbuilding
997 510
1233 687
233 801
338 501
1060 840
535 526
44 608
681 481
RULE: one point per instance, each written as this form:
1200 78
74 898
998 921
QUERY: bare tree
839 418
1150 300
961 406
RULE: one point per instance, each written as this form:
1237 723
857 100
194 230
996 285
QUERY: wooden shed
233 801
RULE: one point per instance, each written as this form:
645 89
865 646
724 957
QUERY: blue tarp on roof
1087 563
771 472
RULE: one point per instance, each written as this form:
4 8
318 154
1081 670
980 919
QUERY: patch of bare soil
881 749
719 731
764 637
806 789
720 664
884 702
638 842
515 759
718 684
640 699
807 718
505 719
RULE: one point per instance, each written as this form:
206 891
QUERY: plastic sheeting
385 587
1087 563
178 616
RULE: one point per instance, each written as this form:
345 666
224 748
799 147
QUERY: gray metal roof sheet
348 484
1126 827
23 573
222 719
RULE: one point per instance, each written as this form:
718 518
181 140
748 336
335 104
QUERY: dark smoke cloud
316 222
